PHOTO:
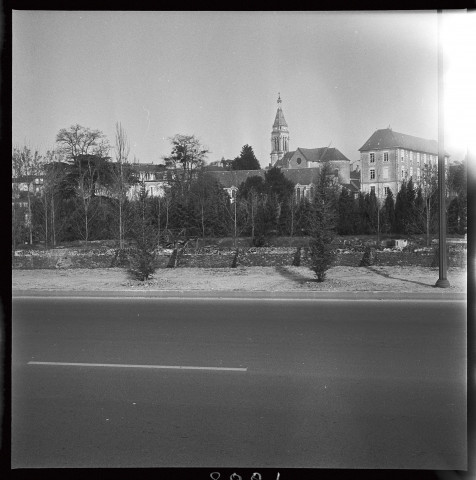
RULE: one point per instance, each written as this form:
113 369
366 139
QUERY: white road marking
118 365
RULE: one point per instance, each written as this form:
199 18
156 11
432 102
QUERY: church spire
279 121
279 135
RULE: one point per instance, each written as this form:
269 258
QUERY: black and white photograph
239 240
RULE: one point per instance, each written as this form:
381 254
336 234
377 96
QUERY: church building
279 136
301 166
306 159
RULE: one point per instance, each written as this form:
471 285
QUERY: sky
216 75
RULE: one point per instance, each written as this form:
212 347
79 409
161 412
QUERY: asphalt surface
266 383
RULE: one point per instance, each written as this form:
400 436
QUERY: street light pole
442 281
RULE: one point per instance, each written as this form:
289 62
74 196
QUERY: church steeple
279 135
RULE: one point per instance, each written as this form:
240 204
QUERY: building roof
303 176
283 162
387 138
148 167
233 178
279 121
322 154
213 168
352 187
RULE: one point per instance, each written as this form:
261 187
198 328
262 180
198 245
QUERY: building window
298 194
385 172
298 161
372 158
403 172
386 190
372 174
385 157
372 189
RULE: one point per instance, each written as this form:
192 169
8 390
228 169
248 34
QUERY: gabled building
303 158
303 179
230 180
154 177
388 158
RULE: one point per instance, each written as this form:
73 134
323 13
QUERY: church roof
303 176
283 162
279 121
230 178
387 138
322 154
233 178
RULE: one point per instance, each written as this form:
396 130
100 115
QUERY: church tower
279 136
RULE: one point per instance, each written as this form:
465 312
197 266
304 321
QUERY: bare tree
85 188
429 186
121 176
53 173
80 141
26 164
186 157
17 174
87 149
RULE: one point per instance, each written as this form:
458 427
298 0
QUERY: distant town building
154 177
388 158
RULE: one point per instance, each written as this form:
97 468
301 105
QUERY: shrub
141 264
322 257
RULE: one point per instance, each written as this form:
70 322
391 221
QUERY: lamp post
442 281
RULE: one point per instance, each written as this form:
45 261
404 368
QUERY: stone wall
214 257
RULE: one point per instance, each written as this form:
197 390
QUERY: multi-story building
154 177
388 158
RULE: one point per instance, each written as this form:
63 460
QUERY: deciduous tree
187 155
80 141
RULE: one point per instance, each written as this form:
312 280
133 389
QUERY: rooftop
387 138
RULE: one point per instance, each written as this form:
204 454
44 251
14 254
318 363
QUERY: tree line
84 196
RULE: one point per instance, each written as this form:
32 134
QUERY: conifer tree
388 213
246 160
401 207
345 224
142 258
323 223
363 214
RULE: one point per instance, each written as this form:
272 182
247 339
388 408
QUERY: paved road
369 384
